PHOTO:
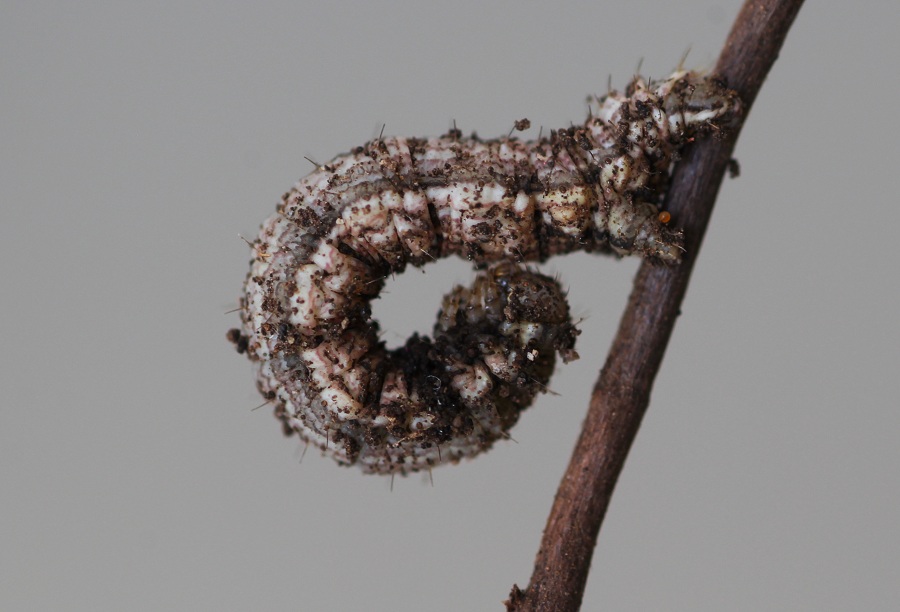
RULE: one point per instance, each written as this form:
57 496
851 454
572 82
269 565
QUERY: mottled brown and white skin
352 223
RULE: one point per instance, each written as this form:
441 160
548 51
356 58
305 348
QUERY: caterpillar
353 222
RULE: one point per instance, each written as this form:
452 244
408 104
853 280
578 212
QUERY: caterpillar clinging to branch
343 229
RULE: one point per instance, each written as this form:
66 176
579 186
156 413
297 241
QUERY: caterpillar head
514 308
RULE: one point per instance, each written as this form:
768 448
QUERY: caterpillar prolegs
350 224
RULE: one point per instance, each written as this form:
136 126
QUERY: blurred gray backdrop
139 139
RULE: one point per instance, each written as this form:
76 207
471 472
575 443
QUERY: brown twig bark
622 392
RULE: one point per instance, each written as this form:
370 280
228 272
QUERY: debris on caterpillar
351 223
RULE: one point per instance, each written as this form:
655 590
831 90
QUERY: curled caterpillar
350 224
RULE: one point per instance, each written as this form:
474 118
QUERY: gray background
138 140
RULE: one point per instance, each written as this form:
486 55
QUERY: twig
622 392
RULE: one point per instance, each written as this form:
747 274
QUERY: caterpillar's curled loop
353 222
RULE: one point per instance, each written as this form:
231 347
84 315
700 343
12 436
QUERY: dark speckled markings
342 230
